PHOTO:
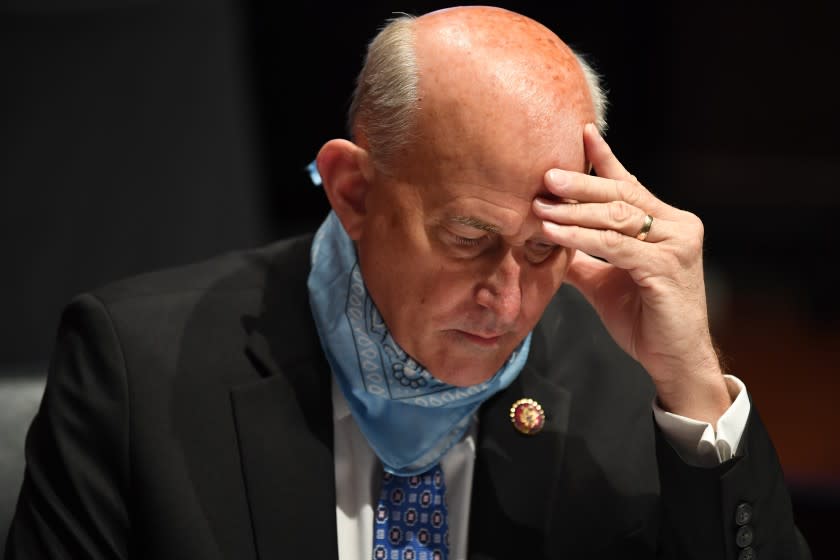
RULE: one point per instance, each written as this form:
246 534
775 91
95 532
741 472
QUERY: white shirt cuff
697 442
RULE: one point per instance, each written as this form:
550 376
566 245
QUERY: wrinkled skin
467 235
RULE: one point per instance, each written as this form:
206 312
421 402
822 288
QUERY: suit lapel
284 425
515 475
284 420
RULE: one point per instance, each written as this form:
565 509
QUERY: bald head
470 69
501 53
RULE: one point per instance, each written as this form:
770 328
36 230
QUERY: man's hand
649 293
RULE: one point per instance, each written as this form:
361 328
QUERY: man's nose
501 292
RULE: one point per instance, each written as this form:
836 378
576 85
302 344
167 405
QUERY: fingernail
557 177
541 204
551 227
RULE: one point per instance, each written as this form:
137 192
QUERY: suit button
743 514
744 536
747 554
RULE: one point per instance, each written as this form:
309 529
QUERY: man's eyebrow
476 223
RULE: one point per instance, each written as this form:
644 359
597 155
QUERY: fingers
615 215
610 212
581 187
618 249
588 188
594 229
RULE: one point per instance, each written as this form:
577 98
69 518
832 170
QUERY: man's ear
346 173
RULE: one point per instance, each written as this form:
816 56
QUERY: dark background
137 134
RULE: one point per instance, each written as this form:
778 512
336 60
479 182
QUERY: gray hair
383 105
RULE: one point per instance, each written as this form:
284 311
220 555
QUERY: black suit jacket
187 414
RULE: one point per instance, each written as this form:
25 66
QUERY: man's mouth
481 339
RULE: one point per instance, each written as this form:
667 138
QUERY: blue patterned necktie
410 521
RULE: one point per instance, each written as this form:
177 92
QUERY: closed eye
469 241
539 251
541 246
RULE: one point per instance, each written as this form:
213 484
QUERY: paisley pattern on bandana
409 417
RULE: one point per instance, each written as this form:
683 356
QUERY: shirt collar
341 409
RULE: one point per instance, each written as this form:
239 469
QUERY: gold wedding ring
643 233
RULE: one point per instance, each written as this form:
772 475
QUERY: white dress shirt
358 470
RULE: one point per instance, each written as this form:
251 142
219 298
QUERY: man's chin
465 371
464 359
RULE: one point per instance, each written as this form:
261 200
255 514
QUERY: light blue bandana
409 418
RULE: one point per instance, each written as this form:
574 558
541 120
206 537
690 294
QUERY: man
247 406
